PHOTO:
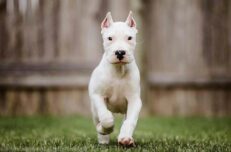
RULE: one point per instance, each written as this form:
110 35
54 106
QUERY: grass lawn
78 134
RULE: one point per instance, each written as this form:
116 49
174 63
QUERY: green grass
78 134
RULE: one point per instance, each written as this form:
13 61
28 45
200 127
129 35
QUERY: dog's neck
119 70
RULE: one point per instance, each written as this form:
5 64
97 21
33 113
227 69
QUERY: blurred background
48 49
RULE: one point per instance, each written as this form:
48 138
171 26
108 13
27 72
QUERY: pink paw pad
128 142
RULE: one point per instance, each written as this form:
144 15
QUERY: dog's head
119 39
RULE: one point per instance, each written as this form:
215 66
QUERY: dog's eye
110 38
129 38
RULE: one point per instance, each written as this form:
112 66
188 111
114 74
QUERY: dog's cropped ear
107 21
130 20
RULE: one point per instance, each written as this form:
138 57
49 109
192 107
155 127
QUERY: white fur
115 85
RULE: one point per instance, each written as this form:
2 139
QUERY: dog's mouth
115 60
121 62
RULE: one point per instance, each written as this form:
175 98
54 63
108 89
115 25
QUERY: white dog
115 83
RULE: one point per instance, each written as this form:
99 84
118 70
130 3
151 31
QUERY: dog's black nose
120 54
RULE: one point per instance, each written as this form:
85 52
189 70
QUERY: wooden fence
49 48
188 56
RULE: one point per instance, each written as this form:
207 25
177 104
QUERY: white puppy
115 83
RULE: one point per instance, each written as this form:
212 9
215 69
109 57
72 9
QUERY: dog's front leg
129 124
106 120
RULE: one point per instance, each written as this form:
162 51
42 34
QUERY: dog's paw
107 120
126 141
104 131
103 139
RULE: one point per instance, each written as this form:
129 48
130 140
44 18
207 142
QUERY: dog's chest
115 96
